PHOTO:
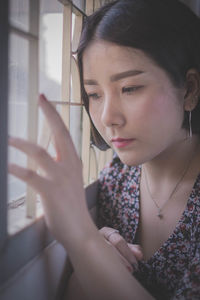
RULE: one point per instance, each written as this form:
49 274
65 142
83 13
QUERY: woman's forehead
111 51
110 58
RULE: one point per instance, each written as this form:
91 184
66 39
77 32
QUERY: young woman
139 69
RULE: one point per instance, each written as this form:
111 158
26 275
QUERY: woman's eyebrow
90 82
116 77
125 74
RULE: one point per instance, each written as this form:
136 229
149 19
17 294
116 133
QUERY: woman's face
132 102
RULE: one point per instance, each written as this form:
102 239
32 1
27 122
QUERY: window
52 30
38 41
22 95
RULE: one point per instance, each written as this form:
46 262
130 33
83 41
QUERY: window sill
17 219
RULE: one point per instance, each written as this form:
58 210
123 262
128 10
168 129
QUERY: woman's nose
112 113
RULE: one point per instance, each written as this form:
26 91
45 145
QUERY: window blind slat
89 7
93 166
97 4
78 20
76 96
86 147
33 99
66 61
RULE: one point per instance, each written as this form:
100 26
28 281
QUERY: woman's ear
192 87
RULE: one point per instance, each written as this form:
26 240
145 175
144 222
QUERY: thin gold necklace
160 214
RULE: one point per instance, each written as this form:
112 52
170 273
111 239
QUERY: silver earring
190 124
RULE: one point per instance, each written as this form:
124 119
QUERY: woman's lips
120 143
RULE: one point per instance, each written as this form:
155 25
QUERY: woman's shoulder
116 170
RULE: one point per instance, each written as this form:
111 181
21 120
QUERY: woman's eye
94 96
131 89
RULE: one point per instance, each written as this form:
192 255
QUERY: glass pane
19 14
18 105
51 20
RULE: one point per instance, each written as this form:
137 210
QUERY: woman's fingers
39 154
37 182
120 244
126 263
63 142
137 250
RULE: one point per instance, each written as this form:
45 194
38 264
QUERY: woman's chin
131 160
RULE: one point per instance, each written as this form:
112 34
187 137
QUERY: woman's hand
100 272
61 184
129 253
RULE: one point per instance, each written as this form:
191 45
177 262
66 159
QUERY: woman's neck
168 167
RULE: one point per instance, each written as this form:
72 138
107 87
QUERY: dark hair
166 30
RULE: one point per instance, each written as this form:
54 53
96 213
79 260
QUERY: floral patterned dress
173 272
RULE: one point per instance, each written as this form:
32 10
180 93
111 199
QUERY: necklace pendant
159 214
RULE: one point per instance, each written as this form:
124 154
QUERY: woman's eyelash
130 89
93 95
